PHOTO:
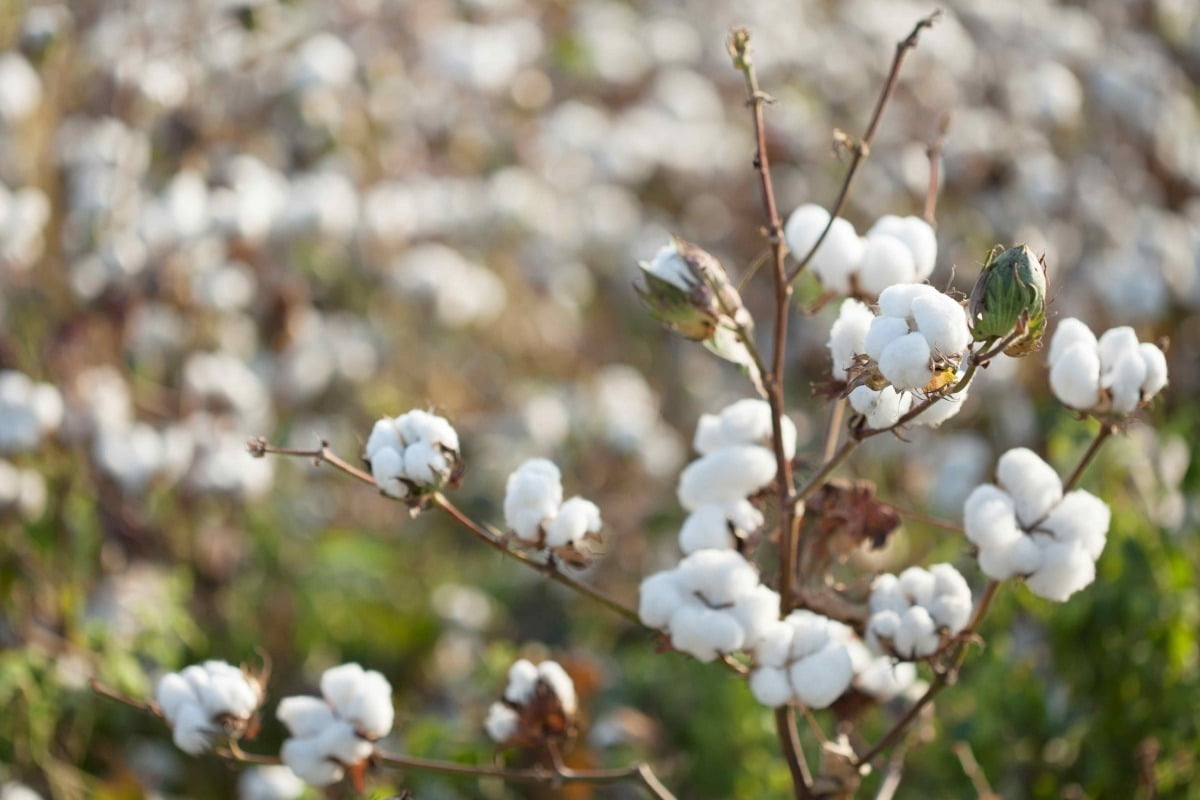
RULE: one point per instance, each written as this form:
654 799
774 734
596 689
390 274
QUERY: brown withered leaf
845 514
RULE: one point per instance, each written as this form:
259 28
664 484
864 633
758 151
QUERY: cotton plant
206 701
539 706
337 731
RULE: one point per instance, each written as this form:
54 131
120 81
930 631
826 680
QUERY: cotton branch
739 51
862 148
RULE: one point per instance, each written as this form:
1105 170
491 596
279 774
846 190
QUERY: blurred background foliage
289 218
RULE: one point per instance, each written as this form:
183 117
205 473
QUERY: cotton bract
800 659
412 453
895 250
337 730
1114 373
1026 527
207 700
910 613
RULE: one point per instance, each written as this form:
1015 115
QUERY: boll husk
1010 296
687 290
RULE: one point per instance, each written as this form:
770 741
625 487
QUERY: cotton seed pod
1009 296
687 290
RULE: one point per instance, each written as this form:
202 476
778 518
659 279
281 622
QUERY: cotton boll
304 717
1075 376
1066 568
882 408
1156 370
726 475
810 632
804 227
774 645
886 261
770 686
1124 380
882 332
949 581
888 594
951 611
756 611
1019 556
1070 332
706 528
387 468
721 576
424 462
1115 343
884 680
307 758
906 362
896 301
1032 483
371 708
553 675
522 679
822 677
917 234
172 694
848 334
918 585
341 742
269 783
704 633
840 253
943 408
743 422
917 635
942 321
501 722
532 496
193 730
884 624
340 684
658 597
1080 517
576 518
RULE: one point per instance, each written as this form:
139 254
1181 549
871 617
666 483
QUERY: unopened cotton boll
848 335
906 362
885 262
1032 483
726 475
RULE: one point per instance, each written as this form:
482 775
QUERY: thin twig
258 448
973 770
1107 430
933 522
835 427
934 152
773 381
862 148
145 706
893 775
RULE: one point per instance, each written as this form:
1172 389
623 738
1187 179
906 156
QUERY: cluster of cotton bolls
1026 527
1114 374
915 343
208 700
911 614
29 411
336 731
736 462
710 604
802 658
412 454
536 513
895 250
539 704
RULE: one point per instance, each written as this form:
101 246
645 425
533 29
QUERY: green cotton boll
1010 296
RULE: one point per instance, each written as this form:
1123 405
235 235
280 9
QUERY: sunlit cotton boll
798 659
1114 373
726 475
885 262
269 783
532 497
743 422
718 526
847 336
911 610
882 408
337 730
205 700
840 253
917 235
414 451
